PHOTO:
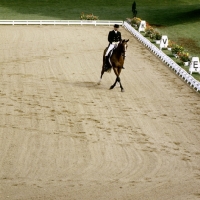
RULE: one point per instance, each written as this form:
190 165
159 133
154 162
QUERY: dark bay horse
117 61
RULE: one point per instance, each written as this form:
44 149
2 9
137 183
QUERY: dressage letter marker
164 42
142 26
194 65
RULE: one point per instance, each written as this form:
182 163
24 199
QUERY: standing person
114 37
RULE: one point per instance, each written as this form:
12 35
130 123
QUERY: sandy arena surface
64 137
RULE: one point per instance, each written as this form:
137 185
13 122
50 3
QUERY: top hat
116 26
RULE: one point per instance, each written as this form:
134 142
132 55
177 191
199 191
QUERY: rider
114 37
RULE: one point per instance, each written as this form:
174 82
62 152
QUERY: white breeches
111 46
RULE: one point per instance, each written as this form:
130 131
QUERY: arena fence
166 59
59 22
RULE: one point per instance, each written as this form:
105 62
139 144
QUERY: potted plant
170 45
156 36
135 22
149 31
184 57
177 49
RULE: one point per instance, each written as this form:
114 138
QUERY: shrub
184 56
177 49
136 21
171 43
149 31
156 35
134 9
88 17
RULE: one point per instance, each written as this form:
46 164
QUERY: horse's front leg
117 80
112 86
119 71
122 89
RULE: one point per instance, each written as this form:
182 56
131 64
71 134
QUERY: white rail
60 22
166 59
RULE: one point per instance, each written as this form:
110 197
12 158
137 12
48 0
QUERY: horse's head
123 47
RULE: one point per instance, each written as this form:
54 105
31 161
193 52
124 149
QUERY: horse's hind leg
102 72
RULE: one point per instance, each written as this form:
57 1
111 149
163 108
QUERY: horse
116 62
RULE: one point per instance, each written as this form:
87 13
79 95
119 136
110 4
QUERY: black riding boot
106 66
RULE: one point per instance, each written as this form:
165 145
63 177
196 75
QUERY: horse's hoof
122 90
111 87
99 82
